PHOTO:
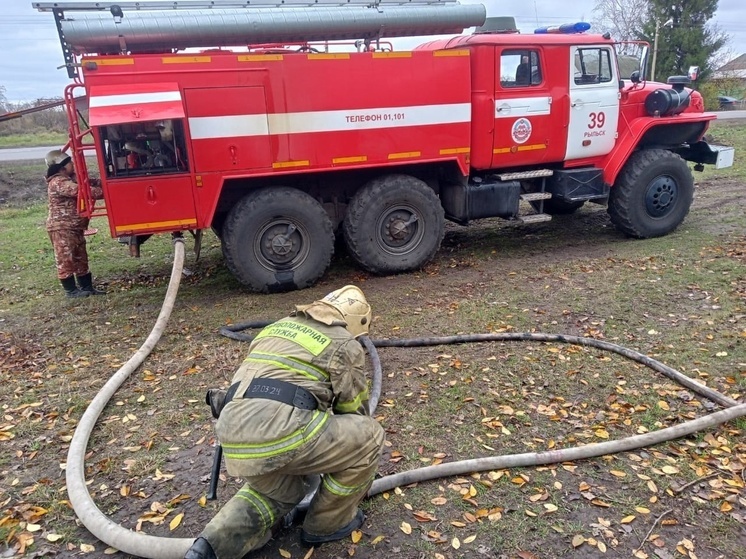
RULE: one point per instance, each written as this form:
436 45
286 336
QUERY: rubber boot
309 540
86 284
71 290
201 549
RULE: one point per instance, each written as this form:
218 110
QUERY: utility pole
669 23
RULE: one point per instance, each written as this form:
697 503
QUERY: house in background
734 69
730 80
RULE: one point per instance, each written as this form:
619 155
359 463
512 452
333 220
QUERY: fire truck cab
279 147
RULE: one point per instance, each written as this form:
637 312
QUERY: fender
630 137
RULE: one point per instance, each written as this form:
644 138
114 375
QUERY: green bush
709 91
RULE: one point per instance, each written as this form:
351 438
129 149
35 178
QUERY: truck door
594 102
143 159
523 111
229 128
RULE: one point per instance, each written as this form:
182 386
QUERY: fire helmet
352 305
56 157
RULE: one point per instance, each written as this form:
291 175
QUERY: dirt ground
678 523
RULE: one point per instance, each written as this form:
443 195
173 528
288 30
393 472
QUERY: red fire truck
281 143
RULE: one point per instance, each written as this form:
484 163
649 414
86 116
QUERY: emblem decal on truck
521 130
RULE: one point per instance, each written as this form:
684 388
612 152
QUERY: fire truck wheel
278 239
394 224
652 194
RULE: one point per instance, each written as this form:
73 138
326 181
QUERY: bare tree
3 100
622 18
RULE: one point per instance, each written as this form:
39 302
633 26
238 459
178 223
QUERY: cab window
520 68
592 66
144 148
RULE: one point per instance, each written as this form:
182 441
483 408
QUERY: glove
215 398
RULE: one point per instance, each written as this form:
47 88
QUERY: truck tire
278 239
394 224
652 195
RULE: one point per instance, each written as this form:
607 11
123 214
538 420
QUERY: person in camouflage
66 226
297 408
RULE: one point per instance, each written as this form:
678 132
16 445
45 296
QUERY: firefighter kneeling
298 408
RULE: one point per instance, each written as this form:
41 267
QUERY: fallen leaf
285 553
356 536
578 540
628 519
175 521
406 528
24 539
470 539
87 548
377 540
455 543
54 537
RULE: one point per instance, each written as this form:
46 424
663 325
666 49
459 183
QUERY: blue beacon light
566 28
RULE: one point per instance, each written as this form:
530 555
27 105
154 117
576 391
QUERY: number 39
597 120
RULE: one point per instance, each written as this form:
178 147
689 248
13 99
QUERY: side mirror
693 72
635 77
621 84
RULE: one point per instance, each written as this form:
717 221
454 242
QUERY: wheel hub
661 196
398 228
279 244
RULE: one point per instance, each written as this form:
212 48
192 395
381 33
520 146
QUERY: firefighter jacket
260 436
63 203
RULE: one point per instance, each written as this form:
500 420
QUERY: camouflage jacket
63 200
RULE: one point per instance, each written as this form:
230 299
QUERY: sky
30 51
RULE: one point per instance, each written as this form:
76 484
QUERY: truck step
534 218
533 196
525 175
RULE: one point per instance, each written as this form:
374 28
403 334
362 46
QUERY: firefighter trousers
346 453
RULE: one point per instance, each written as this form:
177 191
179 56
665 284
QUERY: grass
679 298
727 133
33 140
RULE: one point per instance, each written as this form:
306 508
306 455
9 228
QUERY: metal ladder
538 216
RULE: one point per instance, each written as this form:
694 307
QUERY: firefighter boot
71 290
201 549
310 540
86 285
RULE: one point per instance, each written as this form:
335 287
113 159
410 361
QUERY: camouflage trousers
70 255
347 455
